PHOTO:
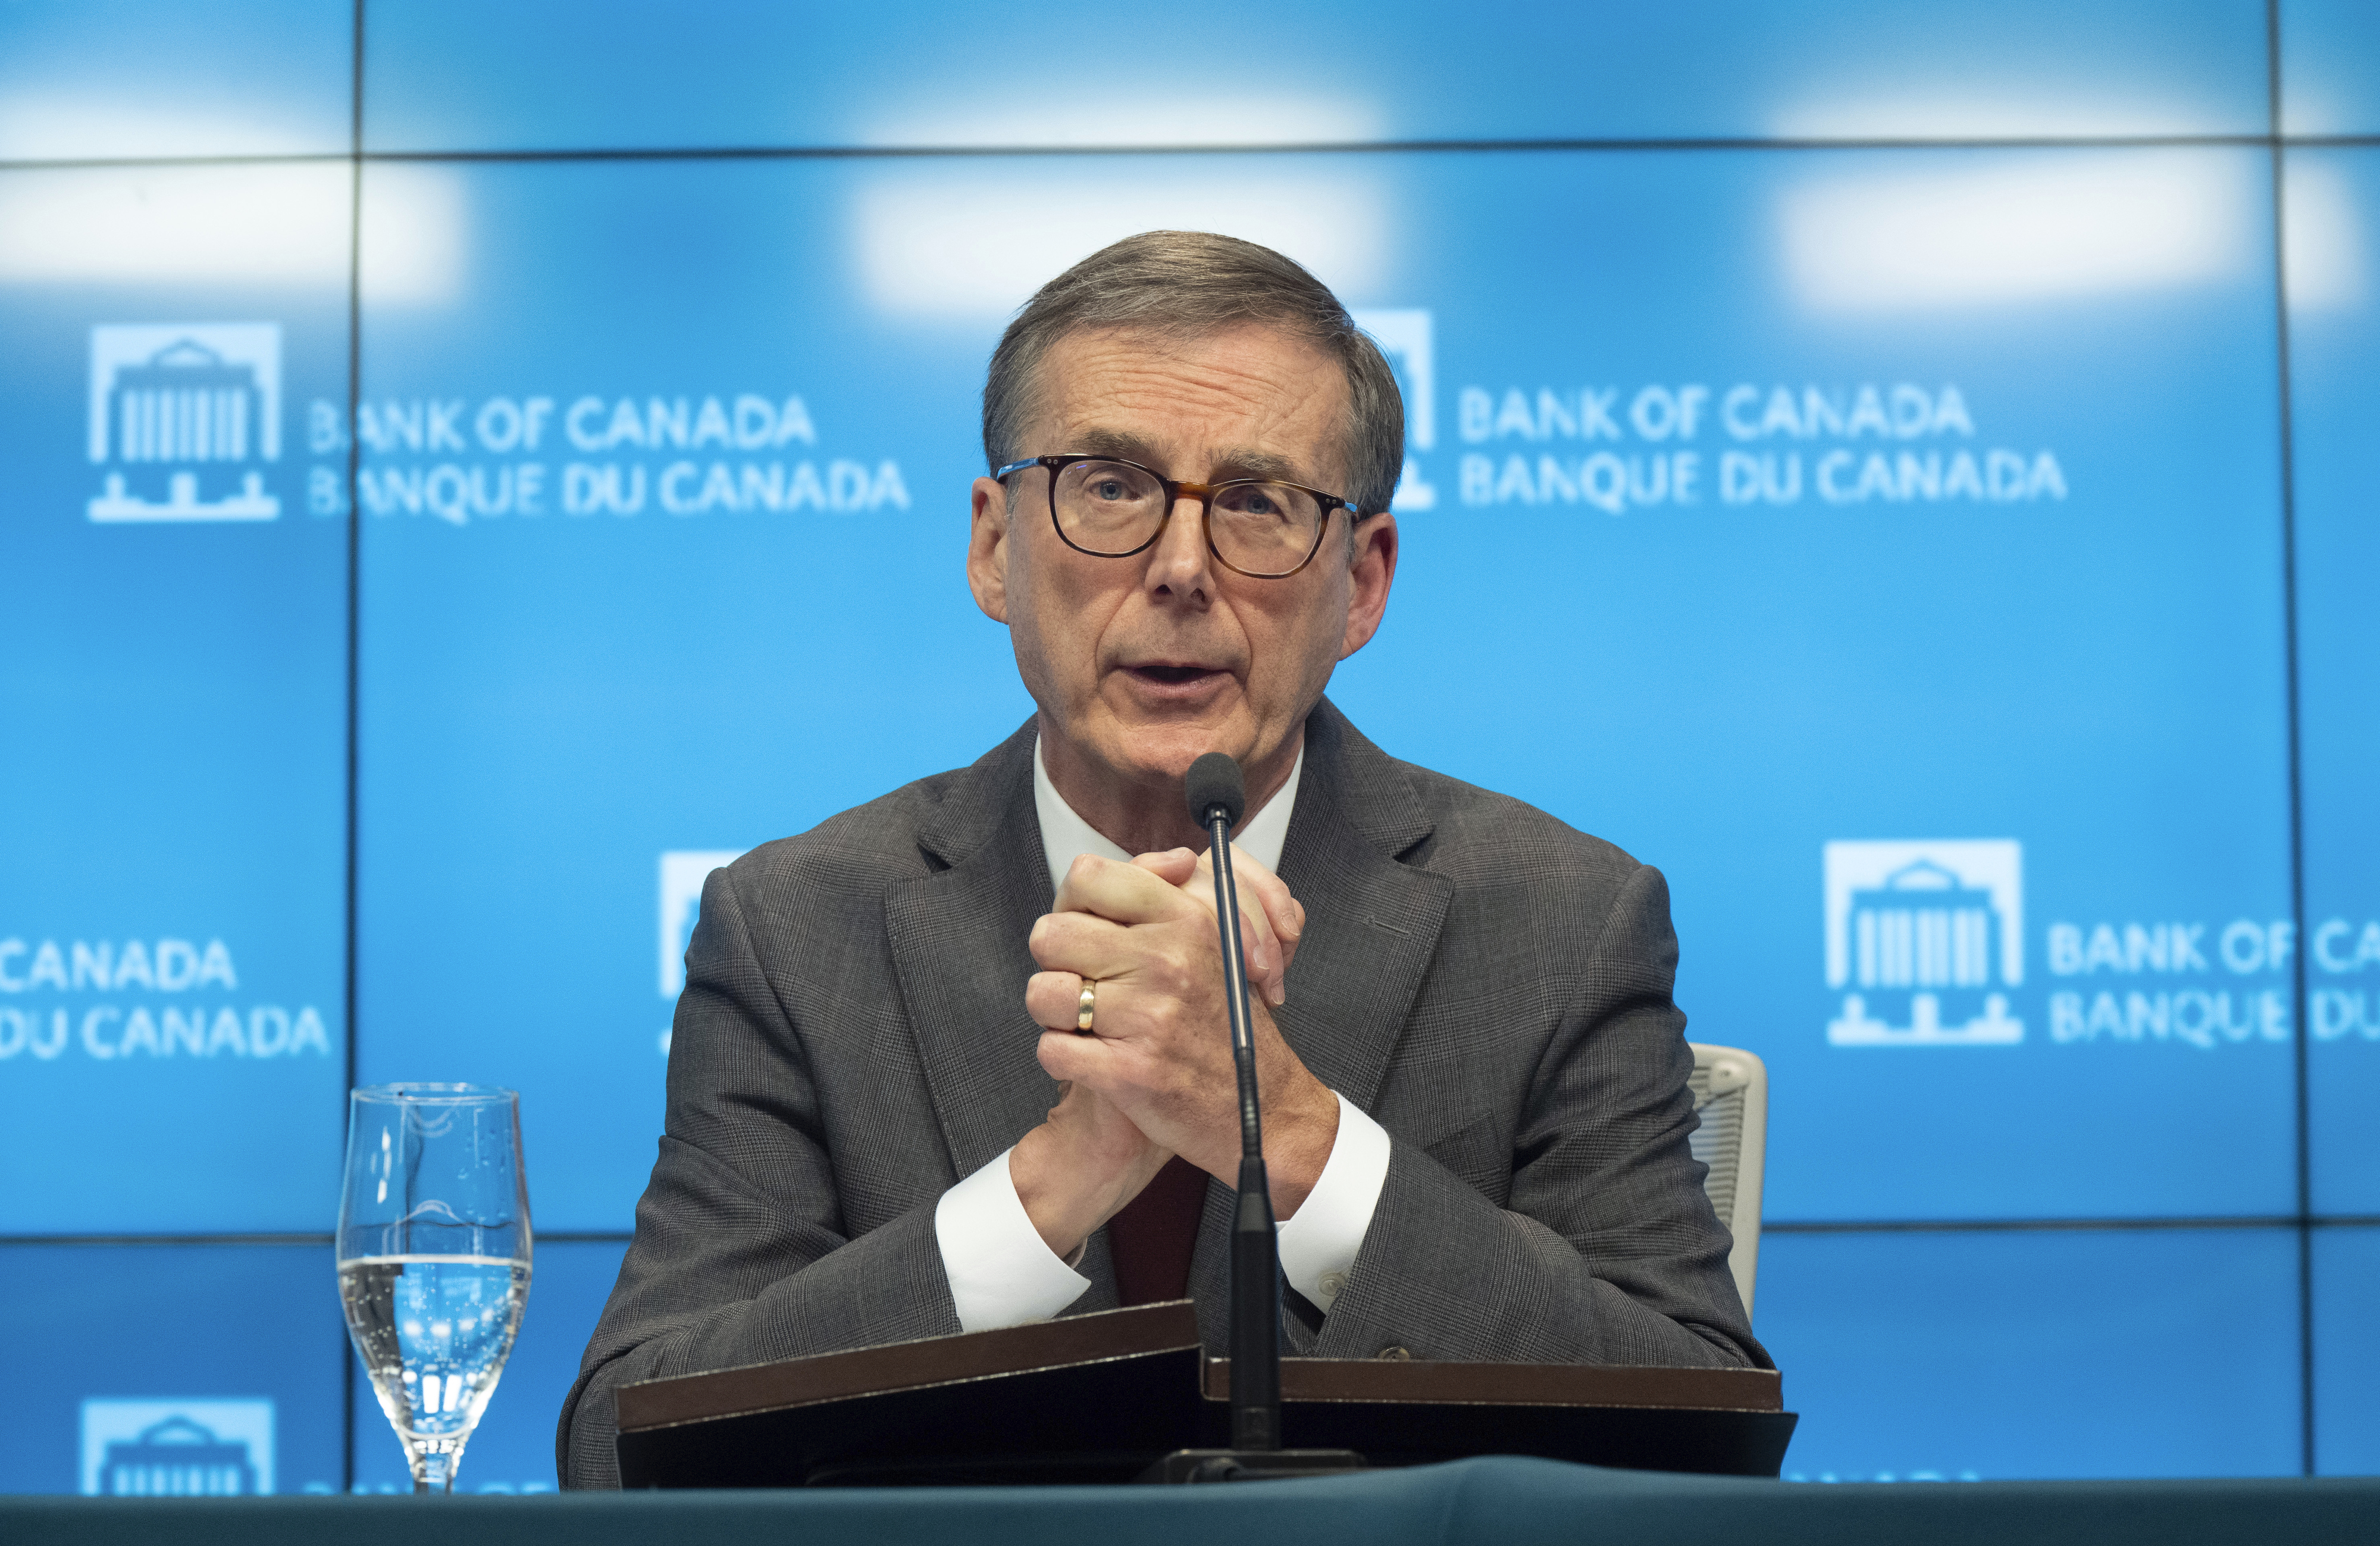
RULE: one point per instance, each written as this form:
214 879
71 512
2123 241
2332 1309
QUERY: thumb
1174 865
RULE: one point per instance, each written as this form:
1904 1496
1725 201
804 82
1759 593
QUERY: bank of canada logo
1924 941
683 872
183 418
1404 336
177 1448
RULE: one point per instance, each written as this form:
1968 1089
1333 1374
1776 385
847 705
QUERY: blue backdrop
1894 465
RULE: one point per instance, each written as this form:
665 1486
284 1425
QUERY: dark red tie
1152 1240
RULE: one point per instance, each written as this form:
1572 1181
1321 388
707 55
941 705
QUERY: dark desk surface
1489 1502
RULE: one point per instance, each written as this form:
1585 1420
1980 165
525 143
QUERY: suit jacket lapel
1372 923
957 939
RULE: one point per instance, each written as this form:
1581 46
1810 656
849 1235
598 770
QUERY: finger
1260 948
1271 894
1122 892
1055 999
1174 866
1081 943
1084 1062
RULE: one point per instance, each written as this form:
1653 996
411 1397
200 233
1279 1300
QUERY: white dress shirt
1000 1271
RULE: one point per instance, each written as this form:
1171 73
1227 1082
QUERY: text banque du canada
2206 1016
196 1023
740 449
1893 444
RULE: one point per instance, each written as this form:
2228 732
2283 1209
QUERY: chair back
1730 1089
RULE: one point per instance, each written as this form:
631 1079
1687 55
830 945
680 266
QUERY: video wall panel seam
1324 147
2276 157
1862 1227
1352 148
354 642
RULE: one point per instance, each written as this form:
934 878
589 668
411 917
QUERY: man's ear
986 560
1369 574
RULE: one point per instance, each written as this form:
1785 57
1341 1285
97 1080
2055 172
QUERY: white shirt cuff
1320 1245
1002 1273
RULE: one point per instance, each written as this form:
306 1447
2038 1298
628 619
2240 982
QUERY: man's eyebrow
1114 443
1239 463
1256 464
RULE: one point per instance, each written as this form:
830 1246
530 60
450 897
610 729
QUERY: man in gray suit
957 1058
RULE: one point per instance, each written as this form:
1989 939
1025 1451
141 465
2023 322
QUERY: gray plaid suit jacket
1490 984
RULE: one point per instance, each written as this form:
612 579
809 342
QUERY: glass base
434 1464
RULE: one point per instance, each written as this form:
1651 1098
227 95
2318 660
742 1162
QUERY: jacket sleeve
1606 1250
740 1255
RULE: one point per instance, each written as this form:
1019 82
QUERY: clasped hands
1154 1078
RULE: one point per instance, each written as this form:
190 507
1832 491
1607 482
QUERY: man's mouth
1174 675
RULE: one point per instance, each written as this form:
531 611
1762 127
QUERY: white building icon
182 411
1928 932
187 1447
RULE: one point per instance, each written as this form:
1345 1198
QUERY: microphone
1214 784
1218 797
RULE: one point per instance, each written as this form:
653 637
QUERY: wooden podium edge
1107 1335
1421 1383
1099 1337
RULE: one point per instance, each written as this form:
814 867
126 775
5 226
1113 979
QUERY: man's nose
1178 563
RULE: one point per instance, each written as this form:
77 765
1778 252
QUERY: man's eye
1108 488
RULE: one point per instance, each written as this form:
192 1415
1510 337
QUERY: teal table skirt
1474 1503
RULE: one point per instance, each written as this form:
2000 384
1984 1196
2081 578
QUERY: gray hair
1188 285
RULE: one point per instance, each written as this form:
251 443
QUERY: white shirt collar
1065 833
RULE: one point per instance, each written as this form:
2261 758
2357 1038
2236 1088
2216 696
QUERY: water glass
434 1257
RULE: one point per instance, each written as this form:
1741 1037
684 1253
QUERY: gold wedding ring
1083 1011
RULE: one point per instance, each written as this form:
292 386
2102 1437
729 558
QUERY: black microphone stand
1256 1248
1218 799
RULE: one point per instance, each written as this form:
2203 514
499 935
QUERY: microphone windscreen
1214 780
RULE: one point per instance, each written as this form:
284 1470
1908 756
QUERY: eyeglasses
1257 526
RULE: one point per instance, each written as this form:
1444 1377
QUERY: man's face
1143 663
